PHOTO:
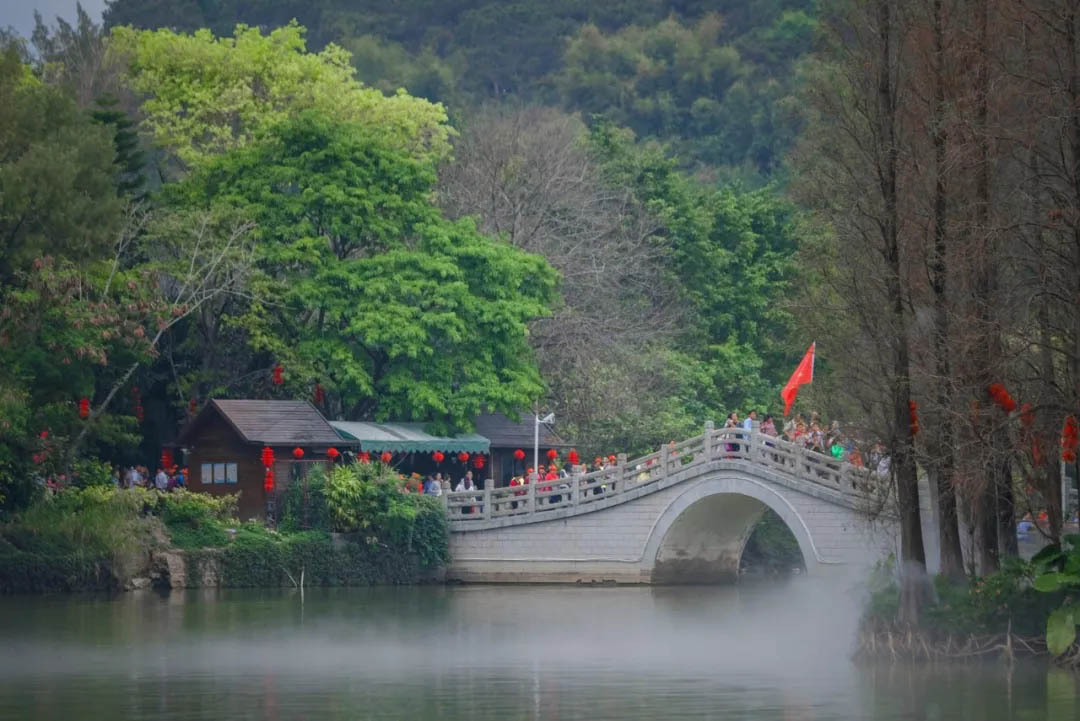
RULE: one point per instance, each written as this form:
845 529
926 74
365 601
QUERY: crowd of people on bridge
816 436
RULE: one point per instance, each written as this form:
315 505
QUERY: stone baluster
488 509
531 496
707 443
622 473
445 498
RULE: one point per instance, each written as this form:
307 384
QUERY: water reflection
484 652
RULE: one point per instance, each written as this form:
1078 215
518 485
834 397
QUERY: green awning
407 438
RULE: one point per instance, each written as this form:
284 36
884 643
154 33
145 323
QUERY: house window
218 473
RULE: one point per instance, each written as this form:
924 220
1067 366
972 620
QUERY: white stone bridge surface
680 515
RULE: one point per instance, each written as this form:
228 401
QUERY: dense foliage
1002 601
715 77
96 537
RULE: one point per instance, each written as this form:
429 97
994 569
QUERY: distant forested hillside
715 79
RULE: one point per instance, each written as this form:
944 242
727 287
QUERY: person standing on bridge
732 422
751 417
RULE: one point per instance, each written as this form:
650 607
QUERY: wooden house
223 447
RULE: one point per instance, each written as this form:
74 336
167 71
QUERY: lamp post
536 437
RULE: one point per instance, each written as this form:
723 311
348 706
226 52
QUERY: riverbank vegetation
359 527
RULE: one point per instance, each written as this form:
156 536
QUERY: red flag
804 373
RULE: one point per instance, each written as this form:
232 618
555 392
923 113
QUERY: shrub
98 521
195 520
369 499
91 472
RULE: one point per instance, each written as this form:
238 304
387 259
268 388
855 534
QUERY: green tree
56 191
730 253
365 288
206 95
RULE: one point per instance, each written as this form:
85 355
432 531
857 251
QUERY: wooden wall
217 442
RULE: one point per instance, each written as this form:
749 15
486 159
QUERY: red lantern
166 459
438 456
268 481
365 457
913 417
267 456
519 454
333 453
1070 438
573 457
84 408
1001 397
552 454
43 435
478 461
320 394
463 457
298 453
278 380
386 457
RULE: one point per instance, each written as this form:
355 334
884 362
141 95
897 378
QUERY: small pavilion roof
407 438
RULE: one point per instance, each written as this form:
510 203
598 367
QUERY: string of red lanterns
276 376
913 417
478 461
84 408
140 415
573 457
268 463
437 456
1070 438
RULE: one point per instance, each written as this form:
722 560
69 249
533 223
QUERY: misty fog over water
758 651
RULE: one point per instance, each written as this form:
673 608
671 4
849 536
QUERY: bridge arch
700 536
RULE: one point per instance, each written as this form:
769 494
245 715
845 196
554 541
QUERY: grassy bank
354 528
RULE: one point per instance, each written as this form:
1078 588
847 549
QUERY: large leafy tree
366 289
730 255
205 95
56 189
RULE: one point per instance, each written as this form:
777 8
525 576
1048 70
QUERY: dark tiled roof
504 433
274 423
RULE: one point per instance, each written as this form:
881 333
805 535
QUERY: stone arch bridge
680 515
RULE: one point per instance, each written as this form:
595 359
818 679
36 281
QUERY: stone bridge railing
585 492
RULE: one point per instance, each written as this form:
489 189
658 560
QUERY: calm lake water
777 651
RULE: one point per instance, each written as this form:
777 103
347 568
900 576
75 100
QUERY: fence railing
582 489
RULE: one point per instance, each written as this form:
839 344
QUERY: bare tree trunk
913 585
943 462
987 507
